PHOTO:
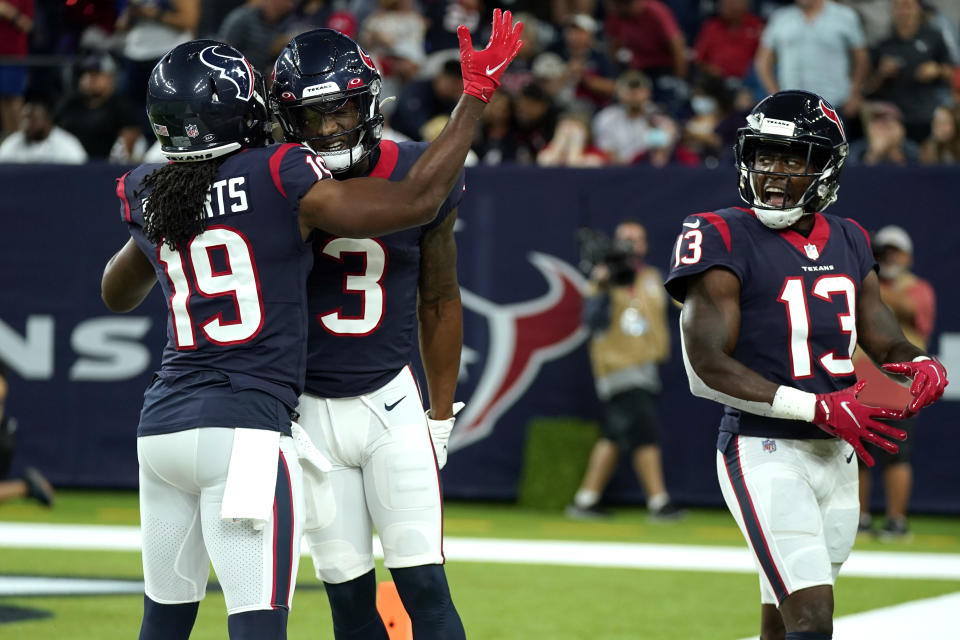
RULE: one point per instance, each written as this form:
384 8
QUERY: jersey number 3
238 279
365 284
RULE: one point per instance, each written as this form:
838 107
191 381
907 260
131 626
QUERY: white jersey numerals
691 241
798 319
366 284
237 278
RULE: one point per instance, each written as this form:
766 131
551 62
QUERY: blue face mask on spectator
657 138
703 105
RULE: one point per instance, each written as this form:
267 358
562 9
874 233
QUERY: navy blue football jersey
363 295
236 329
798 301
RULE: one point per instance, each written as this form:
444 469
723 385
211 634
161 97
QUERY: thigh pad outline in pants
175 562
771 497
384 470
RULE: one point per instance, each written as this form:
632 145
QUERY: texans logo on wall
521 338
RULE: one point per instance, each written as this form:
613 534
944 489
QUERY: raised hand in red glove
840 414
929 379
482 69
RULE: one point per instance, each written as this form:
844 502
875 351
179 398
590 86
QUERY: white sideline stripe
930 618
869 564
35 585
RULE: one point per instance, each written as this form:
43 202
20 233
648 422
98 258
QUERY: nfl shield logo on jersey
193 132
812 251
771 445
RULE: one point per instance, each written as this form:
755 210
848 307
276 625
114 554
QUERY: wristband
793 404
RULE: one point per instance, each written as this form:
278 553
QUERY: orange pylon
395 617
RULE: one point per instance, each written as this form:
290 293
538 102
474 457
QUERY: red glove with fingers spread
929 380
482 69
840 414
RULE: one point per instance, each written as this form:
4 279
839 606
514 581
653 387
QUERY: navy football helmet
320 73
804 124
204 100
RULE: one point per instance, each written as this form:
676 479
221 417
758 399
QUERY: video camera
598 248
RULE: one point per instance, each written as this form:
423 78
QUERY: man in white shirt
818 46
39 140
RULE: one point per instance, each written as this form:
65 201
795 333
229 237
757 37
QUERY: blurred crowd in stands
597 83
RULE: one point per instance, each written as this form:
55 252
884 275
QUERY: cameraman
626 312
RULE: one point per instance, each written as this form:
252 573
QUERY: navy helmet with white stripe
320 74
806 125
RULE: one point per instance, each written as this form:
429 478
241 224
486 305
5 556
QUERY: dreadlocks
175 212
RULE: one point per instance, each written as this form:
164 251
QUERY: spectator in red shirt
728 42
16 22
644 35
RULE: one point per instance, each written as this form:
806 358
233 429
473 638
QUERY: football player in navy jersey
224 227
367 298
775 297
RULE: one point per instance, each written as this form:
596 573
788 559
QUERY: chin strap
342 160
779 218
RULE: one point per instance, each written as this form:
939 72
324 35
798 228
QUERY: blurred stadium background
78 372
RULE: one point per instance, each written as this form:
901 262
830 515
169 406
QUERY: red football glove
840 414
929 379
482 69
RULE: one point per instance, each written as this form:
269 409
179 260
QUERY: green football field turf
497 601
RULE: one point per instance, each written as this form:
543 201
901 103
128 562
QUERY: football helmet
204 100
318 74
802 123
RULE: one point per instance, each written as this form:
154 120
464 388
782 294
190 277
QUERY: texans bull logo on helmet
217 57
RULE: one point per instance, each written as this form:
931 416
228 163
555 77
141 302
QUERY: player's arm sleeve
705 241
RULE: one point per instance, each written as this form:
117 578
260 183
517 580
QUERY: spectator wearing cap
104 121
818 46
943 144
39 140
913 68
589 69
394 36
913 302
260 30
422 100
535 117
727 43
644 35
886 140
550 72
633 128
16 22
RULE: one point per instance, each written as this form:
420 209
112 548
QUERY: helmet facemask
776 202
357 112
